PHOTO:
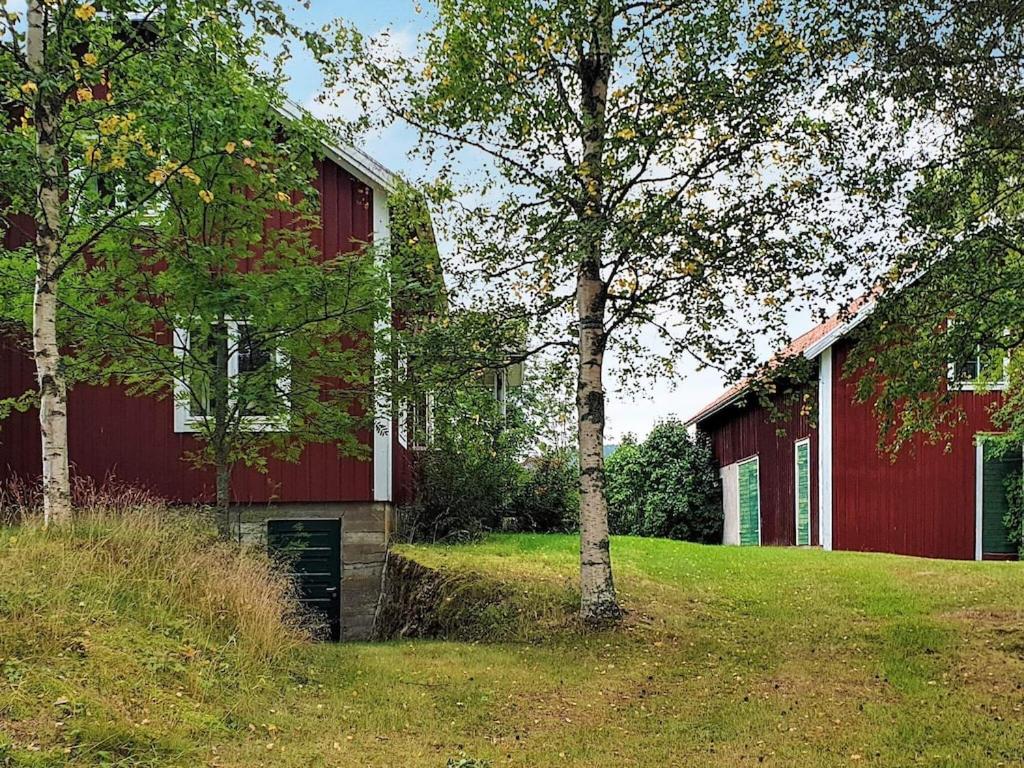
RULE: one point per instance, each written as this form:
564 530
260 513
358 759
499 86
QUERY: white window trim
739 464
970 386
501 391
428 427
796 490
185 422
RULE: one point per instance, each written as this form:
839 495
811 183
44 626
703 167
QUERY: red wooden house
338 511
807 471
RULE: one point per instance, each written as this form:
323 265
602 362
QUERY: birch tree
72 73
635 179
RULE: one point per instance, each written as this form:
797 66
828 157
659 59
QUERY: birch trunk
597 588
221 414
53 409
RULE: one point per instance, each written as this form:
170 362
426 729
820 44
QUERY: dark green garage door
997 466
312 550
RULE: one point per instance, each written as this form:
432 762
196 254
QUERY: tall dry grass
145 558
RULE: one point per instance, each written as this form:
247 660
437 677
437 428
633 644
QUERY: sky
626 412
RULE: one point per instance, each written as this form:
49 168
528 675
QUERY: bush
623 476
478 475
548 498
667 486
467 481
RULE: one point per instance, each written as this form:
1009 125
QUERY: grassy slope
730 657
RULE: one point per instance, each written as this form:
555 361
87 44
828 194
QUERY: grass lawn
729 657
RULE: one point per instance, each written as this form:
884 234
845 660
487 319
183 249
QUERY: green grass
729 657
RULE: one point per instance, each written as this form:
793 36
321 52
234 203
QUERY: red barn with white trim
807 470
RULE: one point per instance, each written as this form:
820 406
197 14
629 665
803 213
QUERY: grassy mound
129 638
458 602
142 641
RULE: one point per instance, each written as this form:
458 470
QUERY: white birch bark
597 588
53 414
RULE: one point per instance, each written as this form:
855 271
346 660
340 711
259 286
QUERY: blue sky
626 412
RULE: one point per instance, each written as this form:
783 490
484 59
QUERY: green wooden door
802 459
996 467
750 503
311 550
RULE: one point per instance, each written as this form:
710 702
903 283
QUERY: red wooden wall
740 432
923 503
134 438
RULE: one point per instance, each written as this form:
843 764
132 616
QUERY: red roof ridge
797 346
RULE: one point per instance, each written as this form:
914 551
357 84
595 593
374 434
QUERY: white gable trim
830 338
351 159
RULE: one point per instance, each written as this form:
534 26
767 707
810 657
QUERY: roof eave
838 332
353 160
704 415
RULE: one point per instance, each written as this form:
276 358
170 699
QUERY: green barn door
996 467
311 550
750 503
802 459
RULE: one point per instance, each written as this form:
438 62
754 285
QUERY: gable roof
352 159
810 345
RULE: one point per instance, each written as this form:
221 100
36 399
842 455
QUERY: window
980 371
256 377
802 488
497 382
421 421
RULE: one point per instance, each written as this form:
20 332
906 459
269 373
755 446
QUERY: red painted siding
740 432
134 438
402 470
923 503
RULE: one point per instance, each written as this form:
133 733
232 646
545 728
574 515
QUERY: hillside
146 643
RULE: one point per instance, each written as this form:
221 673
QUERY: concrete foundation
365 530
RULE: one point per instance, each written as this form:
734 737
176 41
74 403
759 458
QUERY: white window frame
796 491
428 428
501 390
970 386
185 422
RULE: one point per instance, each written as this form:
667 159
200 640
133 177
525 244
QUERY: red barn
807 470
336 511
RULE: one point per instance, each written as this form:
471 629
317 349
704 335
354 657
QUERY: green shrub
548 497
623 477
667 486
468 479
481 473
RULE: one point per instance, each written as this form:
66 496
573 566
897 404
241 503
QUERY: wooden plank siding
741 431
923 503
134 438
